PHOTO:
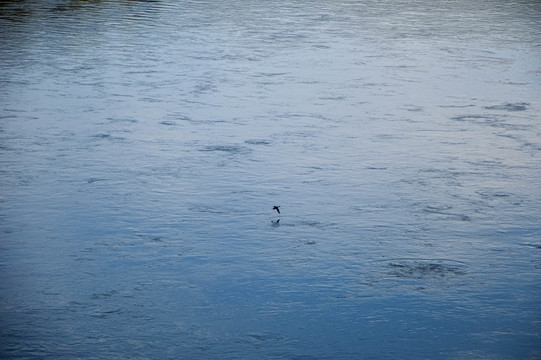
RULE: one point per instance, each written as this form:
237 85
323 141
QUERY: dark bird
277 208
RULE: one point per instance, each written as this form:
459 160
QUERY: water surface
144 143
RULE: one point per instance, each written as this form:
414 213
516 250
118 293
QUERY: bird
277 208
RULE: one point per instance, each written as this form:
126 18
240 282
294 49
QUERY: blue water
143 145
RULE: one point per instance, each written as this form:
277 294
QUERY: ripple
521 106
425 268
104 136
267 337
205 209
257 142
492 194
104 295
93 180
493 121
231 149
167 123
443 211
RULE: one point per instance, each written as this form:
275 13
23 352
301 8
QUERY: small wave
492 194
443 211
425 268
270 74
375 168
121 120
414 108
231 149
438 209
104 136
106 313
205 209
477 119
267 337
257 142
180 117
498 121
104 295
167 123
93 180
521 106
533 245
316 224
333 98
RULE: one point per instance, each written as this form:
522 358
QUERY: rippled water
144 143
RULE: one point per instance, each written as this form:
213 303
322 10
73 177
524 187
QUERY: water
144 143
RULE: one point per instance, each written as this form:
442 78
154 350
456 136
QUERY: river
144 144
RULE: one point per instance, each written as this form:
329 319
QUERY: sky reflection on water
144 143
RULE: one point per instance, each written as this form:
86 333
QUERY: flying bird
277 208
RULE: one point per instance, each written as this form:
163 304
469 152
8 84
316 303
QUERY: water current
143 145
